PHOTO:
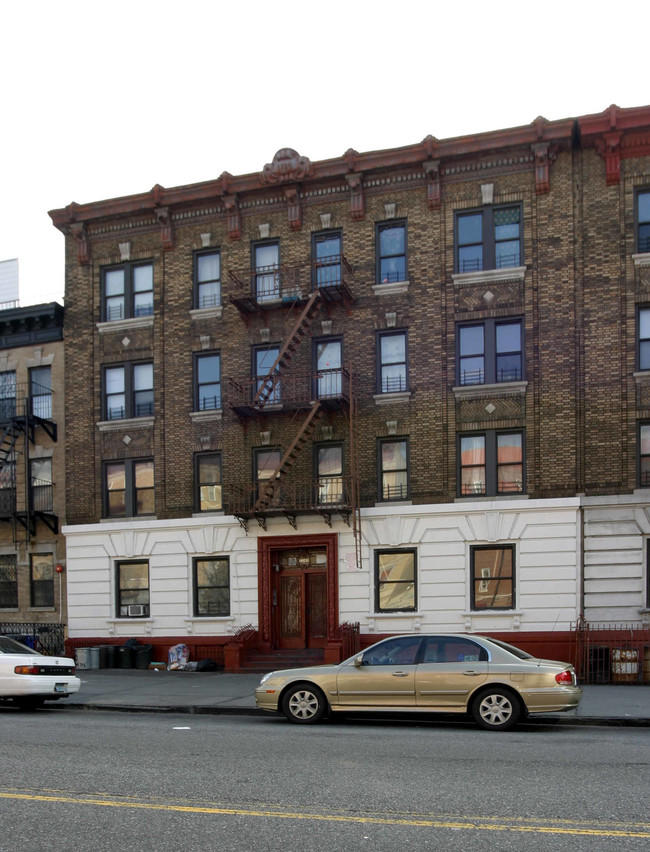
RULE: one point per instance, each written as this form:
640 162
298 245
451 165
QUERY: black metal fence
48 639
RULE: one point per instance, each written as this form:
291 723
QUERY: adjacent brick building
32 474
404 388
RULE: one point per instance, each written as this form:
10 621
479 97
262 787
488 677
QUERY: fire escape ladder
265 498
295 338
7 443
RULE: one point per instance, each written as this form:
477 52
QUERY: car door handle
471 673
399 674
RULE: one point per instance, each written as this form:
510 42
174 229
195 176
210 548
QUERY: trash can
124 657
82 658
107 654
143 656
93 656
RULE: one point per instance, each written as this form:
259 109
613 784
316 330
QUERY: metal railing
48 639
288 282
292 389
320 494
612 653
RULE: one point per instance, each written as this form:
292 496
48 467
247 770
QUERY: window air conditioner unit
137 610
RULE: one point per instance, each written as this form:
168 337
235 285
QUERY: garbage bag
178 656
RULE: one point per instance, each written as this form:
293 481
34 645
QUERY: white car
29 679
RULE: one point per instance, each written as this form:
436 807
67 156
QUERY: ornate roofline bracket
166 227
233 216
293 208
541 153
79 232
609 148
432 172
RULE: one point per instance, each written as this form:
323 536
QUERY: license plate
60 687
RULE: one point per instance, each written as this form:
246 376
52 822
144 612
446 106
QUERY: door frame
265 547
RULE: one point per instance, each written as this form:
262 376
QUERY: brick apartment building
405 388
32 474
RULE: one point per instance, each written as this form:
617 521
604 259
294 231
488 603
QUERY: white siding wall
546 534
616 532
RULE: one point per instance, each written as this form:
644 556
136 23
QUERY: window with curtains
212 586
128 391
266 263
207 279
208 494
391 362
127 291
491 463
128 488
393 469
329 471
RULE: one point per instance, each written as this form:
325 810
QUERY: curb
198 710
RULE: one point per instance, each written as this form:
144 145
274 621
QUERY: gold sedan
496 683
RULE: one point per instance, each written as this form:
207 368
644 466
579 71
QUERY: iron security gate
612 653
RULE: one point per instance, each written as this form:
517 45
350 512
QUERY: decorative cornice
287 165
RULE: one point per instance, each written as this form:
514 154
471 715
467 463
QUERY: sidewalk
217 693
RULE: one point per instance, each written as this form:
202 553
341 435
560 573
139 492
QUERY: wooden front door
300 598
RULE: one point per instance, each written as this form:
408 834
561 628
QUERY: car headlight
265 677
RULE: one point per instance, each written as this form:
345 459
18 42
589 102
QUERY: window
208 482
644 455
395 580
491 463
267 461
391 253
266 261
643 338
643 220
212 586
207 279
328 358
207 369
263 360
8 486
127 291
396 651
490 352
132 589
40 391
391 362
129 488
488 239
7 395
326 253
492 577
8 582
41 484
128 391
393 471
41 579
329 467
448 649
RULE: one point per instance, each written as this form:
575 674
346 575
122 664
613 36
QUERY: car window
441 649
398 651
10 646
517 652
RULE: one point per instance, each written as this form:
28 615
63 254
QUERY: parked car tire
304 704
496 709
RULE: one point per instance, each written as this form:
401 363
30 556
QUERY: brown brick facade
577 297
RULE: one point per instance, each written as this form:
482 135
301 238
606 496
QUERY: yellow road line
466 823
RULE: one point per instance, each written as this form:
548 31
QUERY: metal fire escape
19 423
306 396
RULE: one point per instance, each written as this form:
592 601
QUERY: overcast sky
107 99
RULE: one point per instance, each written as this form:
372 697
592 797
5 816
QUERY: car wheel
496 709
304 704
30 703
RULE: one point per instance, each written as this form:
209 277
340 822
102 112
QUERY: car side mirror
358 660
